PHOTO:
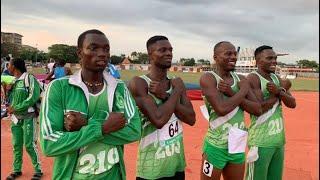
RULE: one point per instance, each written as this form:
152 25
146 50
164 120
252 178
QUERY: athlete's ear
257 58
79 51
214 57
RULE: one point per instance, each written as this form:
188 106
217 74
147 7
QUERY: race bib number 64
171 129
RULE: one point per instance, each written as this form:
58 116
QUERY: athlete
88 117
226 96
23 126
164 105
266 132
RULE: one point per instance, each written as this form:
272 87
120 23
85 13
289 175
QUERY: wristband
283 89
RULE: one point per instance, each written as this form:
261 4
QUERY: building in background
246 62
7 37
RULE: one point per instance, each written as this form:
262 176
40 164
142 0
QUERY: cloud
290 26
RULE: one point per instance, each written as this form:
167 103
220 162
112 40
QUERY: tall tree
63 51
116 59
203 62
139 58
307 64
187 61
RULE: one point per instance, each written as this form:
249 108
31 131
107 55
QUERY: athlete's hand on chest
225 88
158 89
115 122
273 89
74 121
178 85
244 85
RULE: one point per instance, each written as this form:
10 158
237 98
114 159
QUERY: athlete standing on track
226 96
23 127
266 132
99 111
164 105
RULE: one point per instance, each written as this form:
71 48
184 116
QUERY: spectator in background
23 118
50 66
112 70
6 83
5 68
59 70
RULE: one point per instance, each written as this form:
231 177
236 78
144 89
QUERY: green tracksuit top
267 130
87 151
217 134
161 151
22 100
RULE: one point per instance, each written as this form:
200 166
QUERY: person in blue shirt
59 70
112 70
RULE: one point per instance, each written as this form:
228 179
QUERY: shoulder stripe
47 131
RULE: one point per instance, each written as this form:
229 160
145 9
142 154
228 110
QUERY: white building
246 62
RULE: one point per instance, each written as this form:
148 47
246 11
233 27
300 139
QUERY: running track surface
301 151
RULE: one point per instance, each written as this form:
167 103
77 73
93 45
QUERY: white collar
23 76
76 80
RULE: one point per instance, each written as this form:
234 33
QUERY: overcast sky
193 27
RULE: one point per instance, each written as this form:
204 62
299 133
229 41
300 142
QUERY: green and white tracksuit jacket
22 100
105 159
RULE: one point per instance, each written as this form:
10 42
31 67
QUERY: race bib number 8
207 168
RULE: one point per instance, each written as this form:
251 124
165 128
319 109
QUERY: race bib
237 140
170 131
207 168
97 158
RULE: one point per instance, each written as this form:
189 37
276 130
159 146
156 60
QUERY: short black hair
260 49
19 64
215 48
61 62
83 35
154 39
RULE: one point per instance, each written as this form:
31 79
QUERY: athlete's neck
223 73
92 77
17 74
157 74
264 74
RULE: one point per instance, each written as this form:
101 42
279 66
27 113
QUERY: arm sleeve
124 102
54 140
33 97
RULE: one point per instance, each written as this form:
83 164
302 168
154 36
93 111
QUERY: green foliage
33 54
308 64
28 54
203 62
23 52
187 61
139 58
116 59
63 51
42 56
